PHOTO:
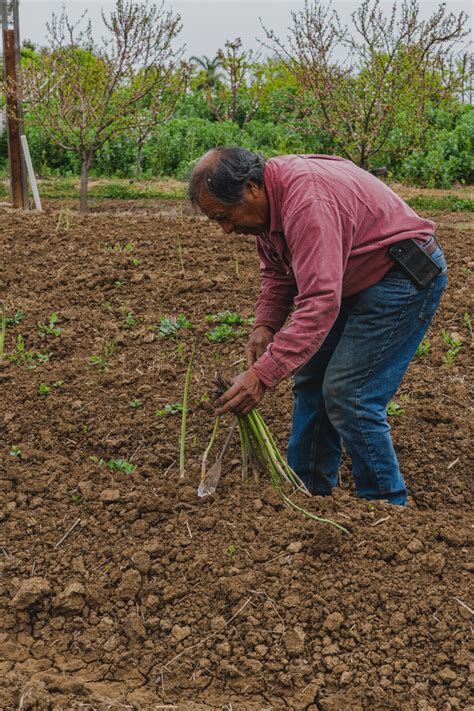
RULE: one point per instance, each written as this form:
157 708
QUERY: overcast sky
206 25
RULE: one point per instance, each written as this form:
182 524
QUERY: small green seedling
43 358
135 261
423 349
136 404
58 383
229 317
107 306
121 465
169 327
14 320
21 356
50 328
171 409
118 248
119 284
44 389
370 506
231 551
466 271
454 347
99 361
131 321
76 498
102 361
468 324
97 460
394 409
224 332
15 451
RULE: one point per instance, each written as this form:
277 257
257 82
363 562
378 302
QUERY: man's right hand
257 343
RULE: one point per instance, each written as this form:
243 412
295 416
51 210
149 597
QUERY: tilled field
124 590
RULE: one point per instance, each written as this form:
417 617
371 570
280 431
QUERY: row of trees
394 73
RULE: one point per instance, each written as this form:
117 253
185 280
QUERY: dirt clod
30 592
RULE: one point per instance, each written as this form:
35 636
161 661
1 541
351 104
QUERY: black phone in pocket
414 261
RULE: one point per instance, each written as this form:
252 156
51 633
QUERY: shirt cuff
268 371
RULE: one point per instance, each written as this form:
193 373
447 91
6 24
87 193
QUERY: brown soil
158 599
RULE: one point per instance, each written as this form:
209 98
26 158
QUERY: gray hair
225 178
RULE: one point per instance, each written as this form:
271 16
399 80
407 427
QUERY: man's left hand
246 391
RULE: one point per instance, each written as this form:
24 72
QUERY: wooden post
13 129
21 127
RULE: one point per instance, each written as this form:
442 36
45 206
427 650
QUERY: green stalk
245 448
295 507
3 327
209 447
268 447
184 416
290 474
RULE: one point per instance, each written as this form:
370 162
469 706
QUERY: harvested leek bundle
259 453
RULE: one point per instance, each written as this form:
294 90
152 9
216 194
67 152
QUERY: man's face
249 217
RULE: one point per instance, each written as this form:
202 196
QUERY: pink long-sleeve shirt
330 226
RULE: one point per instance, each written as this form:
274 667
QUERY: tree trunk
85 165
139 158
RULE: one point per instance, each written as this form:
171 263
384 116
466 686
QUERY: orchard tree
237 93
389 62
82 95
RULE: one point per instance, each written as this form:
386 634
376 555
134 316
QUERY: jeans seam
314 443
357 391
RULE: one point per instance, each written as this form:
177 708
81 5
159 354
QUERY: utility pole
14 114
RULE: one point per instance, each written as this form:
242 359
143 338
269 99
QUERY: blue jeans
341 394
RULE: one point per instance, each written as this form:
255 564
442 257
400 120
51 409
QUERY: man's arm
277 289
320 244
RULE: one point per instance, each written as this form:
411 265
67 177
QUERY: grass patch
59 188
450 203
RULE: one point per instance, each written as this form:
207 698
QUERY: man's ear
253 188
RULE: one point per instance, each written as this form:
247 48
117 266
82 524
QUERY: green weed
103 361
121 465
15 451
44 389
172 409
224 332
21 356
135 404
76 498
468 324
117 248
43 358
136 262
394 409
131 321
423 349
454 347
118 465
14 320
169 326
119 284
50 328
231 551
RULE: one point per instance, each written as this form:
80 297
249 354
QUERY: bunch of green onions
261 454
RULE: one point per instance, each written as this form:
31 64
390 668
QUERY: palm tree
210 68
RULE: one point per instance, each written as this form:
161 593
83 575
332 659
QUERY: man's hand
246 391
257 343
